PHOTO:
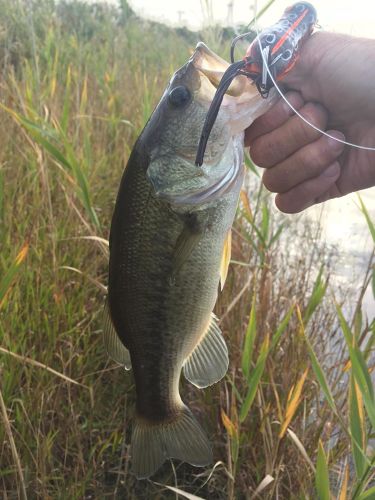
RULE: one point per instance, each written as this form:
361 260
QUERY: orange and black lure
278 45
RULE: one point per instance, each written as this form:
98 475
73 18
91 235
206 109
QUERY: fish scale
167 241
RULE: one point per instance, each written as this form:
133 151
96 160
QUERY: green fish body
168 237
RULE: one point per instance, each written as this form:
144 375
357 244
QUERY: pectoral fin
114 347
208 363
188 239
225 259
184 246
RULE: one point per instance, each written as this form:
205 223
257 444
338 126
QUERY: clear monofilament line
265 65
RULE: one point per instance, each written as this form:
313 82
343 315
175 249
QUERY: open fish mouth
213 67
233 91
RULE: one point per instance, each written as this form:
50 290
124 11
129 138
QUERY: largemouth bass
168 252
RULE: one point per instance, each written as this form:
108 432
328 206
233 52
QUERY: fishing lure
277 45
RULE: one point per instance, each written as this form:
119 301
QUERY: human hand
332 85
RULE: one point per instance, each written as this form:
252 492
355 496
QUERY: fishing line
265 64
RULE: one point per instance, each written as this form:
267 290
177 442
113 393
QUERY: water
345 231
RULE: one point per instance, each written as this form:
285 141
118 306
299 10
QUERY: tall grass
78 83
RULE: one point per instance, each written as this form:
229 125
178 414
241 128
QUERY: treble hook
234 43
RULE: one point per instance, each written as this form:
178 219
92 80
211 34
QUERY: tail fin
181 438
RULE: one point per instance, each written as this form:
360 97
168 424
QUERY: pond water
345 232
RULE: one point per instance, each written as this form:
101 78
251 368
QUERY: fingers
306 163
301 164
273 147
312 191
274 118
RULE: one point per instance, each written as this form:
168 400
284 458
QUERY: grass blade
254 380
293 436
246 203
357 426
281 328
184 494
344 486
317 368
318 292
8 430
250 165
265 224
249 339
370 224
8 277
268 479
360 370
293 403
228 424
321 475
368 495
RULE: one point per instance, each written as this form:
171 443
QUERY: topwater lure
278 45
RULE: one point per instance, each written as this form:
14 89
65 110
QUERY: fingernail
333 142
286 107
332 171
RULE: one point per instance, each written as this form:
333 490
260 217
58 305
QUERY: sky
345 16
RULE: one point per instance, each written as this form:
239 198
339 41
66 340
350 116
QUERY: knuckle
257 152
271 182
266 122
318 156
273 153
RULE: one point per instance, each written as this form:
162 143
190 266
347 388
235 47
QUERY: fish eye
287 54
179 96
270 38
299 7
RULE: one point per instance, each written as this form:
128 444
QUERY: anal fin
114 347
208 363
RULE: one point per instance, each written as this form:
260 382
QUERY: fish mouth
230 91
213 68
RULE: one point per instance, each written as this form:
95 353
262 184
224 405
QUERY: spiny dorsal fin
114 347
225 258
208 363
